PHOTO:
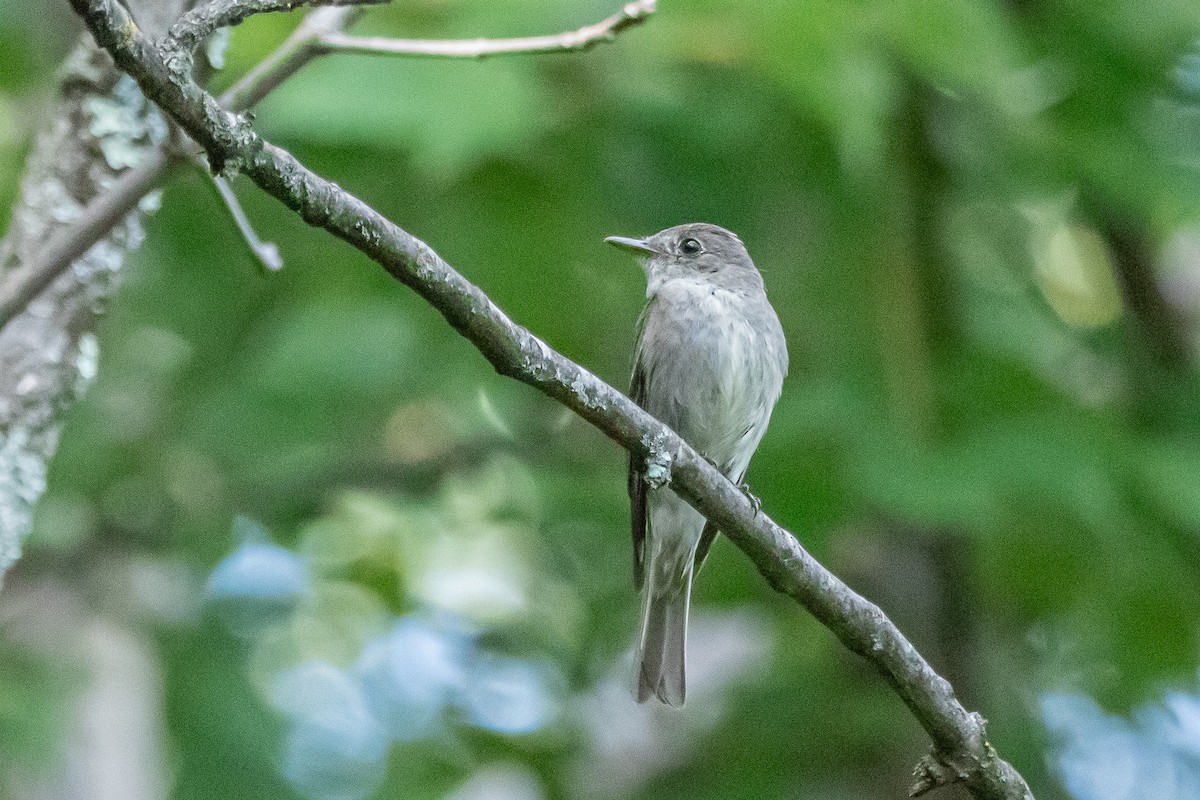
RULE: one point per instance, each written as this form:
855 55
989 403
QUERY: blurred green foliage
977 220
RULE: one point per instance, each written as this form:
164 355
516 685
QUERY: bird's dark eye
690 246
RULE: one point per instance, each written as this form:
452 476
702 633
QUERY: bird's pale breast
720 372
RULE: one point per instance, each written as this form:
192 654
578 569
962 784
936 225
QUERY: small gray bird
710 363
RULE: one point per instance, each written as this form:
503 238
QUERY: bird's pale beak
637 246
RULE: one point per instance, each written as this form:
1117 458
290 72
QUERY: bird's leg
754 501
742 484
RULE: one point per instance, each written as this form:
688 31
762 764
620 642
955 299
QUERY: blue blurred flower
1182 727
257 585
410 675
334 748
509 695
1105 757
316 689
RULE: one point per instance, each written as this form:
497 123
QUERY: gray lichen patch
124 124
659 461
589 389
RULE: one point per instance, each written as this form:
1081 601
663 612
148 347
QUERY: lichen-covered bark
100 127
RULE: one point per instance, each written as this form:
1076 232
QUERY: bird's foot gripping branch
961 751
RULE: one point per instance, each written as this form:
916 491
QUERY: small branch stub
932 772
265 254
658 462
180 43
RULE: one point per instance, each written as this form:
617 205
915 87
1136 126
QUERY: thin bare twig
265 253
961 751
20 287
586 37
287 59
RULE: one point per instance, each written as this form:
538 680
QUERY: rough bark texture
100 128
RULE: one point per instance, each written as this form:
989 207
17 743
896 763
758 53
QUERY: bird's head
696 251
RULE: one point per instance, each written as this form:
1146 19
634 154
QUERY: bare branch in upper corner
588 36
321 32
21 286
205 19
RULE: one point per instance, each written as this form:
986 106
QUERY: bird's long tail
664 637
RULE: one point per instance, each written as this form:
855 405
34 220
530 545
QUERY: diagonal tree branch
961 751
